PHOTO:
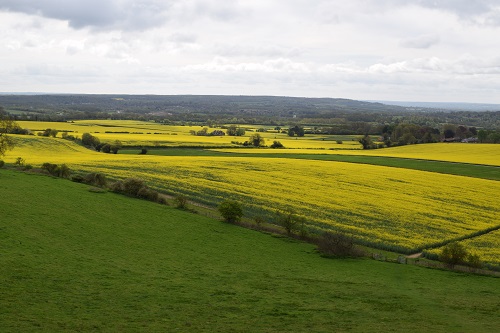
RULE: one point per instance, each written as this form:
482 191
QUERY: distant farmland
385 207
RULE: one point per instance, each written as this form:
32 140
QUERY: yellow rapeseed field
475 153
486 246
406 208
141 133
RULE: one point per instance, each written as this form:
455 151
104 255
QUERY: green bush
106 148
259 220
51 168
453 254
135 187
20 161
132 186
276 144
181 201
288 220
77 178
117 187
473 260
231 211
162 201
338 244
2 163
96 179
63 171
148 194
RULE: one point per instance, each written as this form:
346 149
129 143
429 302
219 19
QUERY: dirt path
415 255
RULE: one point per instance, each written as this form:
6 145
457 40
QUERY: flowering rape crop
488 154
140 133
382 206
487 246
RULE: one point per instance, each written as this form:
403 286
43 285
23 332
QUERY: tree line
337 116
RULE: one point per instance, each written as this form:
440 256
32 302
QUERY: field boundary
459 239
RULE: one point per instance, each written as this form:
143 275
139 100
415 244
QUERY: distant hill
346 114
452 106
206 103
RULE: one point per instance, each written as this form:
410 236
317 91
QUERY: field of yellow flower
487 154
486 246
392 207
140 133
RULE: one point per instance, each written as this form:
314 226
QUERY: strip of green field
75 260
460 169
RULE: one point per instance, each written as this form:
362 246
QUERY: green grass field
77 261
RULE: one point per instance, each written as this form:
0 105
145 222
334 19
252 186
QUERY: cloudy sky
408 50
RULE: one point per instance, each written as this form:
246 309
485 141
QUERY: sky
400 50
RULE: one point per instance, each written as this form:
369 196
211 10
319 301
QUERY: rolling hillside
76 260
390 208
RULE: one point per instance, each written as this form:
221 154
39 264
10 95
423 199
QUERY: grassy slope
73 260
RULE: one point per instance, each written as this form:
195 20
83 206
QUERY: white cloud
220 64
370 49
419 65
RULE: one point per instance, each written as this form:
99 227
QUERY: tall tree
366 142
6 126
257 140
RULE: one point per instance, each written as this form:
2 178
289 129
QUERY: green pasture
73 260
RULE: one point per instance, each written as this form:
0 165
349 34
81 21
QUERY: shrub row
328 244
62 171
132 187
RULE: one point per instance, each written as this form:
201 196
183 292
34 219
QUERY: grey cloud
129 15
482 12
97 14
214 9
420 42
29 43
462 8
182 38
59 72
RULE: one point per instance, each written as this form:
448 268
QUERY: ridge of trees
342 116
